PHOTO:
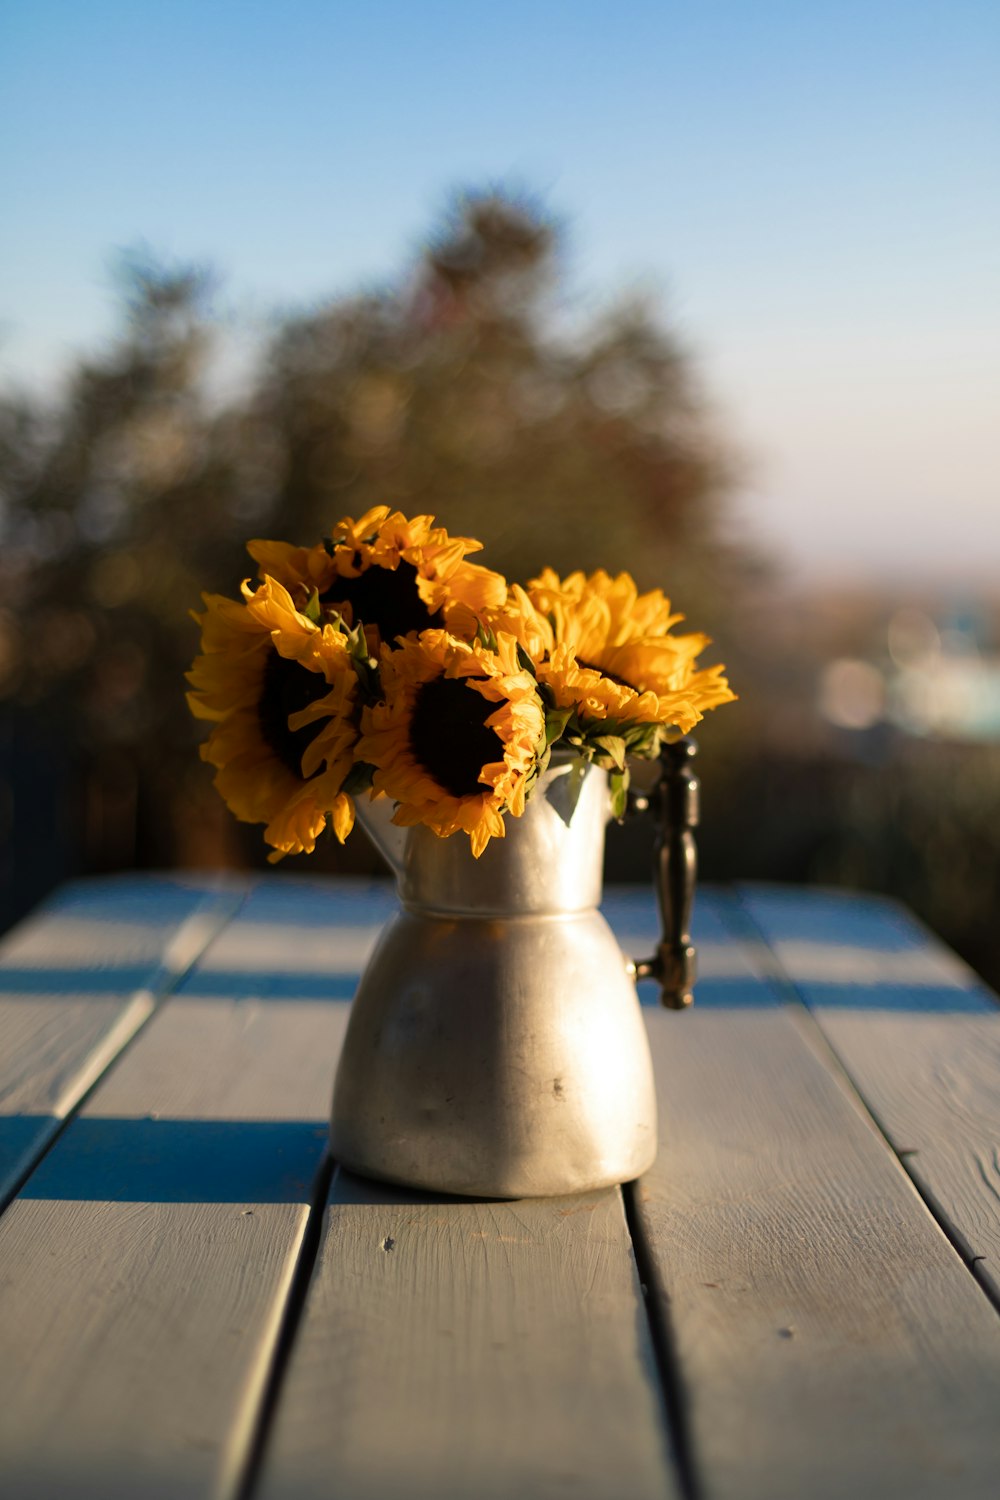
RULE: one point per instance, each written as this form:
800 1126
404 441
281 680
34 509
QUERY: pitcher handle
674 802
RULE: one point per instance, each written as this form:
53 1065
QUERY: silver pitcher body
496 1047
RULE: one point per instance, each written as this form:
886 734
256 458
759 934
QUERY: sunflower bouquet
381 662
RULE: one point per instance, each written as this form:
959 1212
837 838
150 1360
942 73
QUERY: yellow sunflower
280 692
458 736
396 576
614 656
519 617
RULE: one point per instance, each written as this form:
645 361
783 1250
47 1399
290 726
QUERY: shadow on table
119 1160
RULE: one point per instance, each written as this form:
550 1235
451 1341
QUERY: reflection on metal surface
496 1046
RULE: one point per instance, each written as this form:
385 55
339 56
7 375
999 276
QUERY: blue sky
811 187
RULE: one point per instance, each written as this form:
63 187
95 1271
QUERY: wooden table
800 1300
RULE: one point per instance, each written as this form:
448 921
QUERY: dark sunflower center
288 687
449 737
611 676
385 597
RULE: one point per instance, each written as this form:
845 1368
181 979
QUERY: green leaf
618 786
556 720
537 771
525 662
643 740
613 747
358 778
314 610
564 791
368 678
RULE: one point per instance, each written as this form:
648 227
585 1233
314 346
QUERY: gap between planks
182 951
829 1341
242 1465
745 926
453 1347
662 1336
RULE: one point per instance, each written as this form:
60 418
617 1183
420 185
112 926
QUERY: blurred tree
115 505
459 391
450 392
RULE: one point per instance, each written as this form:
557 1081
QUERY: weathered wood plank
77 980
830 1341
309 938
918 1034
146 1264
729 967
845 946
452 1349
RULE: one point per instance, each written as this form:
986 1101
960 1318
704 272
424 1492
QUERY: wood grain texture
146 1264
76 982
830 1341
452 1349
919 1036
933 1084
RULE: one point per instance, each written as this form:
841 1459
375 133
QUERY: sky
810 189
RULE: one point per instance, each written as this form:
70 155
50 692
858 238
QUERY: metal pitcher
496 1047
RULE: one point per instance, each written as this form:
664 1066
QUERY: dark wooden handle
675 802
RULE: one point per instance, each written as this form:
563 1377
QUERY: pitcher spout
549 860
390 840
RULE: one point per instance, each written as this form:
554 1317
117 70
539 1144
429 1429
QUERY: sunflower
280 692
519 617
457 740
614 656
395 576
